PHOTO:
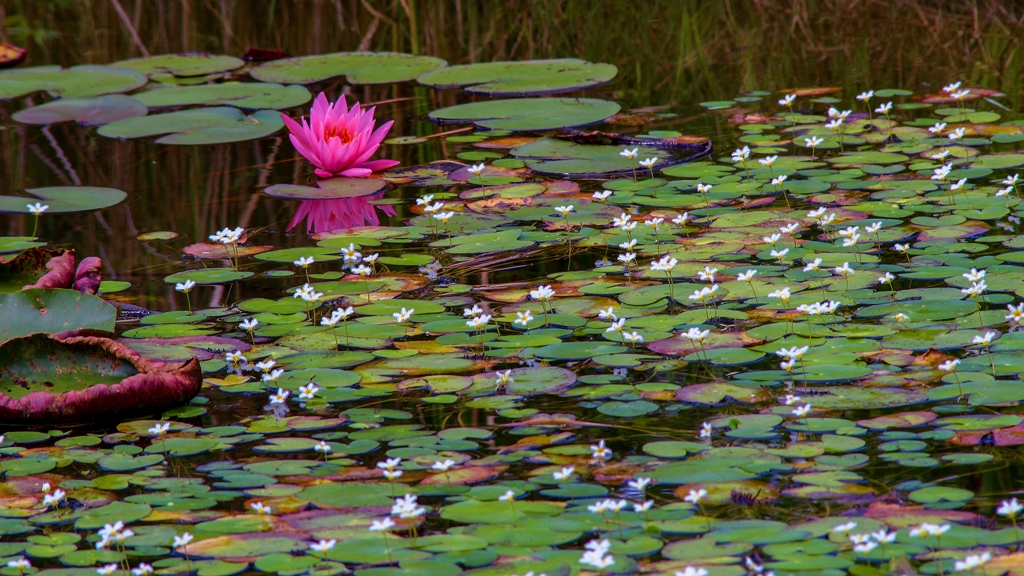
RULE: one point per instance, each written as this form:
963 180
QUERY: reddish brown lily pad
38 268
49 380
1011 436
220 251
681 345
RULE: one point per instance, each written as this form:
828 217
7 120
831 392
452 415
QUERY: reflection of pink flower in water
326 215
339 140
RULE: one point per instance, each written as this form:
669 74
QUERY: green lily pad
63 199
529 114
76 82
196 64
249 95
357 67
522 77
87 111
199 126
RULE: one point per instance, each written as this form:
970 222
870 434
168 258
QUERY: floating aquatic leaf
76 82
64 199
521 78
195 64
249 95
357 67
86 111
195 127
528 113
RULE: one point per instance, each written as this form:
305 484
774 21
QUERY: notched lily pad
522 77
53 380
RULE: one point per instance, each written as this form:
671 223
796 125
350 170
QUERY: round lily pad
529 113
522 77
357 67
76 82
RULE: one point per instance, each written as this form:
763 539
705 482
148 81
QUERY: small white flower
844 270
443 466
787 100
741 154
813 141
801 411
971 562
476 168
952 87
160 429
746 276
37 208
600 451
107 570
865 547
303 261
508 496
180 541
323 545
695 496
523 318
627 153
308 391
542 293
322 447
425 200
603 195
865 96
564 210
479 322
143 570
644 507
986 339
403 315
273 375
281 397
260 508
706 431
184 287
382 525
504 377
249 324
640 484
789 228
648 162
768 160
884 108
565 473
883 536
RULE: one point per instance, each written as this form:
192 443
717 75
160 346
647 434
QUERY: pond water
819 329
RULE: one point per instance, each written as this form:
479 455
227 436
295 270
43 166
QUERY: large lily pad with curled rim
330 189
521 78
196 64
75 82
31 266
48 380
529 113
52 311
357 67
87 111
250 95
63 199
200 126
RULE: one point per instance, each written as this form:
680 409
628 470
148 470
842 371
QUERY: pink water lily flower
327 215
339 140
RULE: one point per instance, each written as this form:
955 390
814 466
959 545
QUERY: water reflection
327 215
